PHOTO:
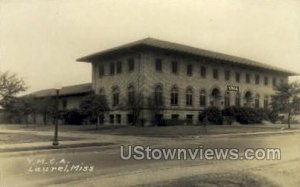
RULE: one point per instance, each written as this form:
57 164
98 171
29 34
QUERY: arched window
257 101
227 99
158 95
174 96
238 99
189 97
266 101
203 98
131 94
116 95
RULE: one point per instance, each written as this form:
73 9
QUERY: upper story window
189 97
112 69
130 64
203 71
247 78
274 81
257 79
158 95
203 98
237 77
227 75
101 70
116 95
175 67
174 96
215 74
189 69
119 67
266 81
158 65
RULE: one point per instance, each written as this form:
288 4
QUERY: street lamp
55 139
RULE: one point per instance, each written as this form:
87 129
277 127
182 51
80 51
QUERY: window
158 96
174 96
158 65
203 71
238 99
257 79
174 67
227 75
274 81
247 78
215 73
202 98
101 70
266 102
119 67
257 101
266 81
116 94
237 77
131 94
189 119
119 117
189 69
112 69
130 64
227 99
189 97
111 119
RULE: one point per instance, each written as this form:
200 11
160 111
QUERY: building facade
181 80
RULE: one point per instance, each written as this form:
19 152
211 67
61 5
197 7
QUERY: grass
177 131
216 180
13 138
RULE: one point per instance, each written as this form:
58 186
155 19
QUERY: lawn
177 131
214 180
13 138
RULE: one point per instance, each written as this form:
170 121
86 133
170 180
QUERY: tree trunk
289 120
98 121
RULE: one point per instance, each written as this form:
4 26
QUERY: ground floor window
189 119
111 119
118 116
158 118
130 118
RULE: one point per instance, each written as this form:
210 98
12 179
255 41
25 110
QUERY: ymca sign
233 88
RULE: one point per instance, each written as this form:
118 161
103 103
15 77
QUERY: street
104 167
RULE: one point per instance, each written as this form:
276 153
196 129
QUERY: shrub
211 115
73 117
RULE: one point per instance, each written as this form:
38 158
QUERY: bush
73 117
211 115
246 115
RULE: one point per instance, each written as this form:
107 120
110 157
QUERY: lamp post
55 139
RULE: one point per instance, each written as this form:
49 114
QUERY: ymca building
183 80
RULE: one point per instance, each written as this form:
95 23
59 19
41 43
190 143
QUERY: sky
40 40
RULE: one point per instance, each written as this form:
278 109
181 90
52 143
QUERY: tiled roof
44 93
165 45
76 89
64 91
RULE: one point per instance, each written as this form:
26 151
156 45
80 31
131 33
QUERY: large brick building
183 79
